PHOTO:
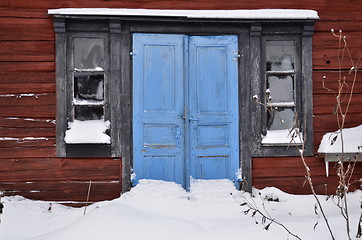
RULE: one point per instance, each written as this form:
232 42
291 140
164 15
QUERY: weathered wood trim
245 107
255 108
307 88
182 28
115 86
61 82
125 121
256 87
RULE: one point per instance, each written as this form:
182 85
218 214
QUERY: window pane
89 87
88 53
83 112
281 88
280 55
280 118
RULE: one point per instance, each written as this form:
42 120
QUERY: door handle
194 119
178 136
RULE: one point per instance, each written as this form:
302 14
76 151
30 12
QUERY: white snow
225 14
23 138
281 104
352 141
283 136
164 211
96 69
90 131
35 95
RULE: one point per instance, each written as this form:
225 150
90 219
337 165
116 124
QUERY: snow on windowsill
97 69
352 141
222 14
281 104
278 137
90 131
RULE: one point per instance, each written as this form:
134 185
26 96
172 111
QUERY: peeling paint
33 120
23 139
36 95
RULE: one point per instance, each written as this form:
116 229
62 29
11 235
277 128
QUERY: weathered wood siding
27 99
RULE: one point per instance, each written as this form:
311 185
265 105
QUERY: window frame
66 31
302 35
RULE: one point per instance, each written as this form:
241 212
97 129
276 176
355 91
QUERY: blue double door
185 107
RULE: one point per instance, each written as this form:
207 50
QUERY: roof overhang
260 14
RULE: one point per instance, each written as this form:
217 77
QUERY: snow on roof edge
227 14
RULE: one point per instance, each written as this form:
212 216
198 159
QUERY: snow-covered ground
157 210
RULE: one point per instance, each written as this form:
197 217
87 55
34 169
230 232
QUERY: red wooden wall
27 99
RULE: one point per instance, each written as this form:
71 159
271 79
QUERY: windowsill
281 144
283 137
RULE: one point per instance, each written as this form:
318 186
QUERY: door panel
158 96
185 107
213 107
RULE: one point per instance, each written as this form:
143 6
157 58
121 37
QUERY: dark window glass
280 84
89 87
84 112
280 55
280 118
88 53
281 88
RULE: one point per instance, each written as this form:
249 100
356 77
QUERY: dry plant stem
267 216
309 180
359 231
344 175
88 193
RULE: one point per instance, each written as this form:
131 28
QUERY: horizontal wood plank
26 88
46 111
298 185
59 169
328 122
27 100
26 132
26 34
23 13
275 167
325 103
27 142
185 4
332 80
15 67
22 23
30 51
64 191
329 14
328 59
27 122
27 77
325 24
27 152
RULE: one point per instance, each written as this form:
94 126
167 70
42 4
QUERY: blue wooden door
158 107
185 107
213 107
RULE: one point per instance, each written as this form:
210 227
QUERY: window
85 86
284 91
